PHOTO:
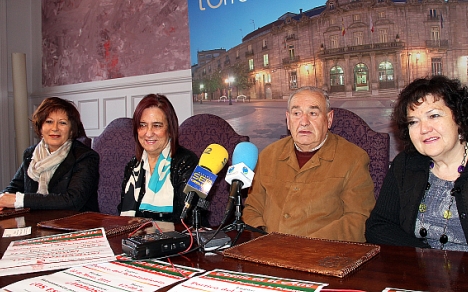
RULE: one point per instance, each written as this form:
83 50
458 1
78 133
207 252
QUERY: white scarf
159 195
43 164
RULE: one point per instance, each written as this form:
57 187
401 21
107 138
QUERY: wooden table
397 267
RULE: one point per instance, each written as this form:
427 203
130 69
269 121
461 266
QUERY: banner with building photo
240 49
350 48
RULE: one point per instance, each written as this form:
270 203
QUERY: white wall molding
142 81
91 108
101 102
115 107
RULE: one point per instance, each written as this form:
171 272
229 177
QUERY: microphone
244 160
212 160
240 174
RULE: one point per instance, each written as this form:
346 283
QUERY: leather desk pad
112 224
12 212
327 257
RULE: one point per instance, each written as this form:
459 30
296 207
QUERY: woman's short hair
54 104
161 102
450 91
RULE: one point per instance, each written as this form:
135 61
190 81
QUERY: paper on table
56 252
399 290
144 276
223 280
13 232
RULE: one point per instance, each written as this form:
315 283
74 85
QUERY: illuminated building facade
351 48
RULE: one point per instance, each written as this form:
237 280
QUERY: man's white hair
312 89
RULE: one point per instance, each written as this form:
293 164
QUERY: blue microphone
244 160
240 174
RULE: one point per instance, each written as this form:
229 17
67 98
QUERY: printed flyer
223 280
143 276
398 290
56 252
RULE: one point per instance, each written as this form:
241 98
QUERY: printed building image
349 48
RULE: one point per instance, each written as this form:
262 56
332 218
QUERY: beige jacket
330 197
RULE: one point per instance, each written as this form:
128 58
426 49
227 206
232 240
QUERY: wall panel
114 108
89 111
101 102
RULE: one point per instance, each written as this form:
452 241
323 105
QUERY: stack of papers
143 276
56 252
222 280
92 266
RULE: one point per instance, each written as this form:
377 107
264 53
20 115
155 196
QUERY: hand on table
7 200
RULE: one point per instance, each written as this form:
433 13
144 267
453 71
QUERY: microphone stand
196 216
239 225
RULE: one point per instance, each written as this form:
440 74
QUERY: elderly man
313 183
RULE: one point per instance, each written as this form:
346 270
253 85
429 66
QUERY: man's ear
330 118
287 120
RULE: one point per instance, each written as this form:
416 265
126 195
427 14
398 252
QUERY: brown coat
330 197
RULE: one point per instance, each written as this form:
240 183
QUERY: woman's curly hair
450 91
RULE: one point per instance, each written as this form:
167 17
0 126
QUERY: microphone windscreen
214 158
247 153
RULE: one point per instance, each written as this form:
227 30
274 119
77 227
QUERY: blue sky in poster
218 24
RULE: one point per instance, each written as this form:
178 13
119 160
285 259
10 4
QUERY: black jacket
394 217
183 163
73 186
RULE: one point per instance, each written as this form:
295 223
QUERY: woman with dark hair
155 178
424 198
59 172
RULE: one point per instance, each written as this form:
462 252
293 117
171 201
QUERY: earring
460 137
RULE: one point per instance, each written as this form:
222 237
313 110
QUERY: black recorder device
155 245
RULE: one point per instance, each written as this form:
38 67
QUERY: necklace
461 168
447 214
